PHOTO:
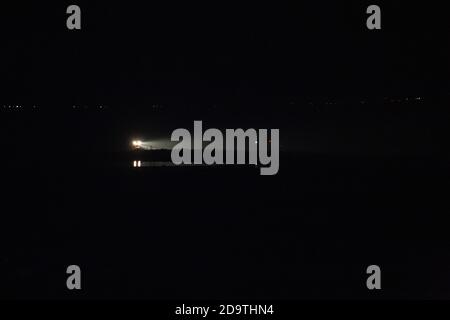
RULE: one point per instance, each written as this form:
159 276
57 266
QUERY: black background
364 171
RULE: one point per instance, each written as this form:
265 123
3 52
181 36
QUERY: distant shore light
137 143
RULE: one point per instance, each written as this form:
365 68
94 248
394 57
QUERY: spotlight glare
137 143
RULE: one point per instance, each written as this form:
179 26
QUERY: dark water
357 186
227 232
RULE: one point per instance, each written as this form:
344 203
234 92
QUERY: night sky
233 65
141 54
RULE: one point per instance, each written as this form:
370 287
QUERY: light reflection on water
137 164
140 164
158 164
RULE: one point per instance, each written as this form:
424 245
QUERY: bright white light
137 164
137 143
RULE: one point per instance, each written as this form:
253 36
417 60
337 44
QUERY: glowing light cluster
137 164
